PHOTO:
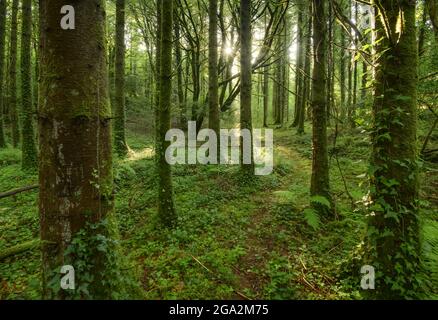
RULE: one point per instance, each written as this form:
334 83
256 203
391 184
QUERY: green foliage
320 200
9 156
312 218
234 238
107 280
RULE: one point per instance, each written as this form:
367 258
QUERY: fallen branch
17 191
19 248
23 247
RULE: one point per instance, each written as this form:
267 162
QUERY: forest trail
261 240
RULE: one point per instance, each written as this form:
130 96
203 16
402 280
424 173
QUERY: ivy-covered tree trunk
29 153
12 97
245 78
2 69
166 206
393 227
320 185
213 86
75 171
120 116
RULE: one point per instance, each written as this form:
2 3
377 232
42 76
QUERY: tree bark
166 207
2 68
213 86
307 67
245 78
120 112
29 153
299 66
393 228
320 185
75 171
15 128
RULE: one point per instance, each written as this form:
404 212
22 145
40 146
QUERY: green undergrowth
234 238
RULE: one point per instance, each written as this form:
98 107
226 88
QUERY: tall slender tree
76 181
320 185
29 153
299 69
245 77
432 5
2 69
213 86
166 206
120 116
12 97
307 67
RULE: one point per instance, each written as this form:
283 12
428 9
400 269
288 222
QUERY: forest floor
235 239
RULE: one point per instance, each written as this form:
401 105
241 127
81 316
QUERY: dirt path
261 241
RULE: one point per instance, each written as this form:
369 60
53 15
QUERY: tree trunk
393 228
179 65
15 128
2 68
320 166
213 86
342 77
299 66
245 78
433 12
307 66
166 207
265 96
355 73
120 116
76 181
29 153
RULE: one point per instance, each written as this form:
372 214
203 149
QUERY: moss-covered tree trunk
29 153
12 97
166 206
393 227
213 86
119 110
245 77
2 69
320 185
76 181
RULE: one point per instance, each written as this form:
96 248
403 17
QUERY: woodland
346 89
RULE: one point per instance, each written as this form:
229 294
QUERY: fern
285 197
323 201
312 218
430 254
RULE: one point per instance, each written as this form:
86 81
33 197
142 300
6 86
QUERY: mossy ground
235 239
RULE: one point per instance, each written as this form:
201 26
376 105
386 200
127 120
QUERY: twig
16 191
